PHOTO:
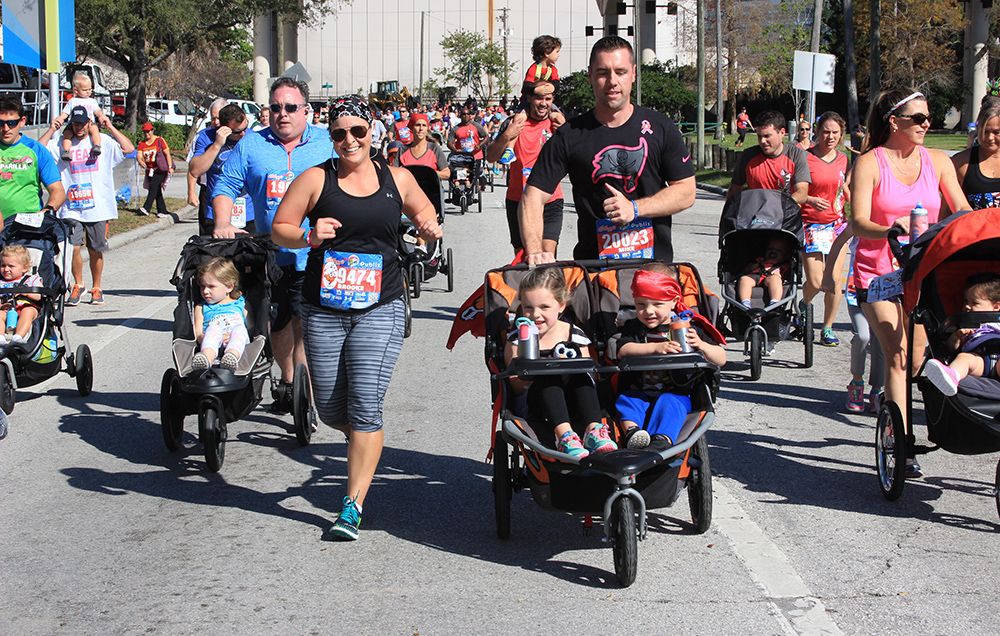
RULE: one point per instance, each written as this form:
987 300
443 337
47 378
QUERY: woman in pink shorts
893 174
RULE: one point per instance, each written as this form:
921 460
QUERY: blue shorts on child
659 414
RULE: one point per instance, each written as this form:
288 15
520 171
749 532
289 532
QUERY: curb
714 189
117 241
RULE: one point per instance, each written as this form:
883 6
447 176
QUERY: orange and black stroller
934 274
619 486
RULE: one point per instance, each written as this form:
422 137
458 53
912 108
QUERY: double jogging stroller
753 223
45 352
619 486
217 395
934 274
466 182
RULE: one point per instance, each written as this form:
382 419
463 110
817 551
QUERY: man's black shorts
286 297
552 215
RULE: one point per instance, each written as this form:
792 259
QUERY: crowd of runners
333 191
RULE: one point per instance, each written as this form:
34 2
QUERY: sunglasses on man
9 123
340 134
289 108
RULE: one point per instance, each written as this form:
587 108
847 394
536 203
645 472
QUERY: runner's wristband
306 236
635 210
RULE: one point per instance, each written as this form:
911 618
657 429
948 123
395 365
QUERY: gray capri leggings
865 341
351 359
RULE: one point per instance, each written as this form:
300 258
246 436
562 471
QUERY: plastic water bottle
527 339
11 320
678 332
918 222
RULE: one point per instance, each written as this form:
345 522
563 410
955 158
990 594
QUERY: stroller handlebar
899 251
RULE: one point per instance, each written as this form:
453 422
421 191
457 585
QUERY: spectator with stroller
31 167
90 196
650 406
893 174
823 216
569 403
628 165
525 138
209 161
220 318
263 164
772 164
353 313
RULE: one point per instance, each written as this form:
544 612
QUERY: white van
250 108
169 111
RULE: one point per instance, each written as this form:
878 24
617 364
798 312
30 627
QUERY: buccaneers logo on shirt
624 163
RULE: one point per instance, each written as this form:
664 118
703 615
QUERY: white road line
791 601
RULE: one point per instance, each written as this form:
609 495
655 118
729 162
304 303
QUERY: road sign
298 73
813 71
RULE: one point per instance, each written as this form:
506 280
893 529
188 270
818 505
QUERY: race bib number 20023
634 240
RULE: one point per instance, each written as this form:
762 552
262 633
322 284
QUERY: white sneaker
143 211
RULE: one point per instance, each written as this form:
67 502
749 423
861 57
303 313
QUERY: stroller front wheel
700 488
212 427
502 487
171 411
7 393
756 353
890 450
302 412
996 488
84 363
624 540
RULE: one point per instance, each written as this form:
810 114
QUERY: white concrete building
373 40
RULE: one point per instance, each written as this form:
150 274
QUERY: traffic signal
671 8
588 30
620 8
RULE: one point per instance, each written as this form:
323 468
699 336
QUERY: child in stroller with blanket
976 357
647 407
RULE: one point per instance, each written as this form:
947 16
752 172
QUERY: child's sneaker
875 400
942 376
597 440
636 437
828 338
65 156
570 444
229 361
347 524
199 362
856 396
95 151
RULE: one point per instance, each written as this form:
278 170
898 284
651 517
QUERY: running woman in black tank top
353 315
980 190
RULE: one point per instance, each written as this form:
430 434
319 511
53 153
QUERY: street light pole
638 53
700 154
719 100
420 89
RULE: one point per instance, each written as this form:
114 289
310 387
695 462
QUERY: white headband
896 106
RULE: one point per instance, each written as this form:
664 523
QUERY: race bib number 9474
350 281
634 240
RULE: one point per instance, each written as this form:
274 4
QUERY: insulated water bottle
527 339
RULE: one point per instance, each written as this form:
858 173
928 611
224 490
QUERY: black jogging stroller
935 269
620 486
466 182
46 351
422 262
217 395
752 221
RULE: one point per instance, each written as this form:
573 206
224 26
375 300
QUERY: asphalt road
105 532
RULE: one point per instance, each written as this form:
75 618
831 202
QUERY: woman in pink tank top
892 175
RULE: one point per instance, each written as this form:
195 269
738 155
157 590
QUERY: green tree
140 35
663 89
475 63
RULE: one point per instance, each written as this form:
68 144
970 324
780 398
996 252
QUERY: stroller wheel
212 427
407 308
7 397
416 276
464 204
171 410
996 488
756 353
84 364
451 270
302 405
624 540
890 450
700 488
502 486
808 336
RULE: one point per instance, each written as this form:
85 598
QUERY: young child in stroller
647 407
220 320
768 271
982 294
19 310
564 400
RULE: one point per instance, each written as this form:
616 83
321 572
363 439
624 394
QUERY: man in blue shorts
263 164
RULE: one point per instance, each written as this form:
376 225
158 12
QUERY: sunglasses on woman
916 118
340 134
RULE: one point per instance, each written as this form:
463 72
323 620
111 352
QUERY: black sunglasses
340 134
10 123
916 118
289 108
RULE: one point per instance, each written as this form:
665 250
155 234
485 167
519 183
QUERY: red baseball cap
147 126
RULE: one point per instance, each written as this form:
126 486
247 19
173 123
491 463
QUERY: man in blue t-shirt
233 125
263 164
204 139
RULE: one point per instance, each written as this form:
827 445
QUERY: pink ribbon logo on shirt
646 128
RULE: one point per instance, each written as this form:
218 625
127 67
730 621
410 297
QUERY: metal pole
852 80
54 106
814 47
700 155
875 57
638 53
719 96
420 89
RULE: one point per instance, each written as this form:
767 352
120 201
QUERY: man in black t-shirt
618 157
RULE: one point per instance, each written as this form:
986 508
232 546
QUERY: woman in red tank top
893 174
423 151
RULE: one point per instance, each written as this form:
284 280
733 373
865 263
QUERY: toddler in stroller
220 320
20 310
979 356
768 271
648 404
543 295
